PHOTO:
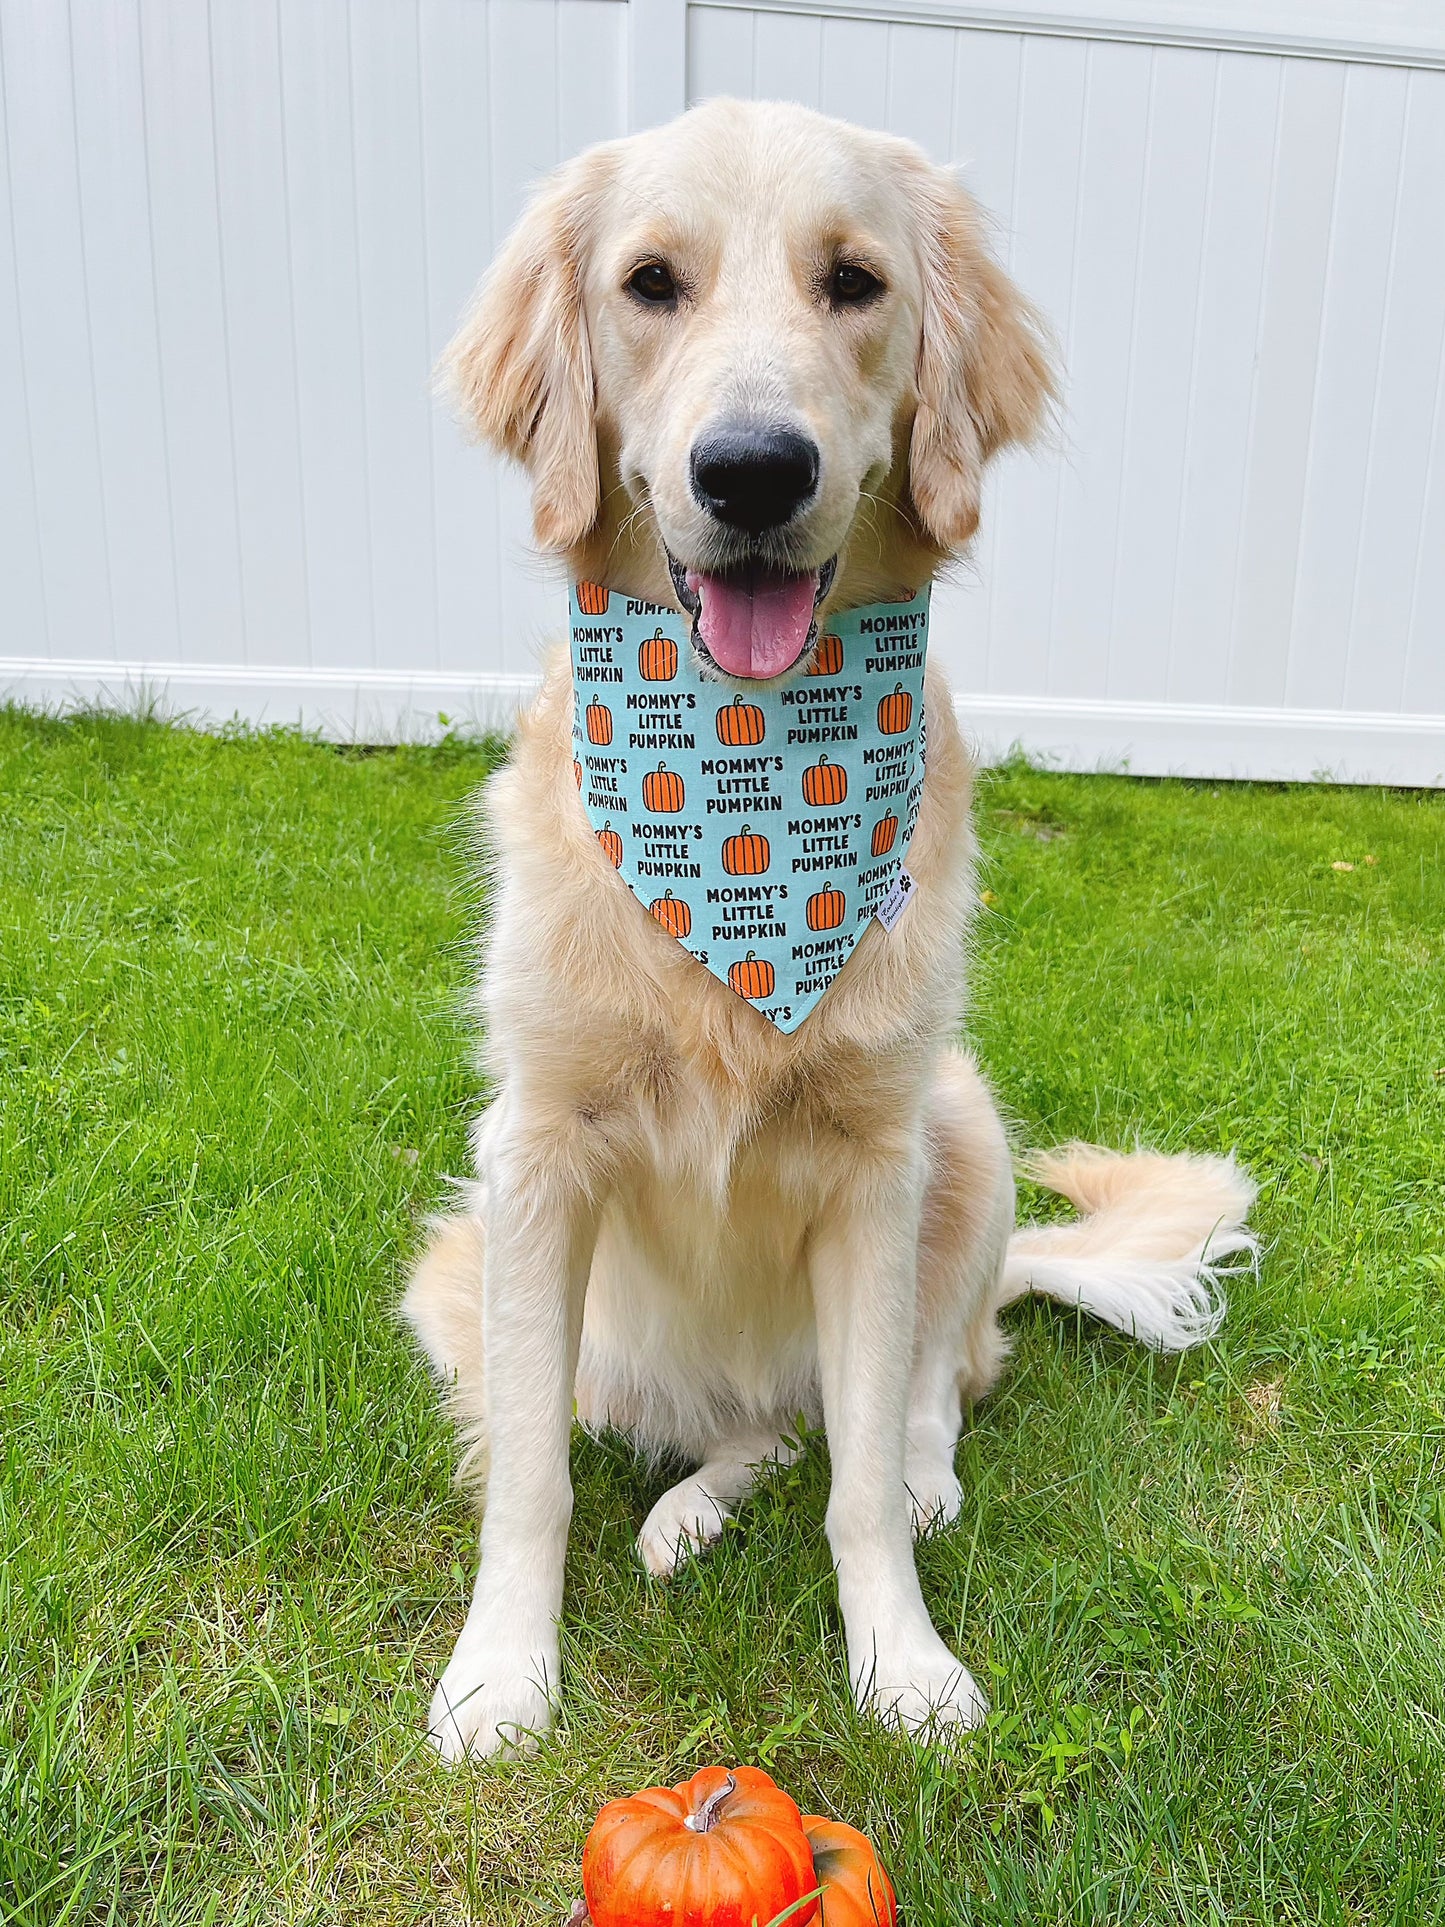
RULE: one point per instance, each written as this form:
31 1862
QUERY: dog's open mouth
753 621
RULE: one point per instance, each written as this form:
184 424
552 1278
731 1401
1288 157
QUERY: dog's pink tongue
755 625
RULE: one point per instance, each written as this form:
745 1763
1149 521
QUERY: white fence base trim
1211 740
1146 739
343 705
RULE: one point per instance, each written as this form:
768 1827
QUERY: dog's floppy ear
520 368
985 377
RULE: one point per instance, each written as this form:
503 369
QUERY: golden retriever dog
685 1223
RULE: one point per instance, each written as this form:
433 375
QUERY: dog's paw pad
935 1496
928 1697
684 1521
489 1702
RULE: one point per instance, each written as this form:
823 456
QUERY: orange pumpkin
824 784
577 772
724 1849
856 1890
885 834
672 913
612 843
827 657
741 722
753 977
657 658
662 791
599 724
826 908
895 712
746 855
592 598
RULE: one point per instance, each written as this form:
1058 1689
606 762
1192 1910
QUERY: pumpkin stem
708 1814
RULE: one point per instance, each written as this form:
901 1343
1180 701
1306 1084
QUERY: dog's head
755 362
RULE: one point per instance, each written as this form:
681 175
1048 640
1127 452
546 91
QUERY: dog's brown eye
653 282
849 284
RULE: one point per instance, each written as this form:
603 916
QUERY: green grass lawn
1206 1593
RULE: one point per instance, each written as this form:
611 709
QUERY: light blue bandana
762 826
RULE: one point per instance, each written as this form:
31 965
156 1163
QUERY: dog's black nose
754 478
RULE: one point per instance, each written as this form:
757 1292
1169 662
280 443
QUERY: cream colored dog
754 362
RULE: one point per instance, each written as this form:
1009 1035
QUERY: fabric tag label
896 902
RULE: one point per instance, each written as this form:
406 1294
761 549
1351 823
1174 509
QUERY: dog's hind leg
443 1306
692 1514
968 1214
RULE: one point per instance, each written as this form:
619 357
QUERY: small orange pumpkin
577 772
885 834
824 784
895 712
746 854
724 1849
740 723
827 657
753 977
826 908
662 791
599 724
612 844
672 913
657 658
856 1890
592 598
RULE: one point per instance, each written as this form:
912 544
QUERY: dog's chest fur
615 1046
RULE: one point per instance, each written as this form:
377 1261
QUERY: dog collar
765 827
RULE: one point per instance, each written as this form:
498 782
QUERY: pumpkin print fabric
762 827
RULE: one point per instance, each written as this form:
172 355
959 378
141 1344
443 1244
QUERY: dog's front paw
684 1520
923 1691
934 1493
491 1700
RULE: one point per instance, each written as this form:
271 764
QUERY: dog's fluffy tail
1147 1252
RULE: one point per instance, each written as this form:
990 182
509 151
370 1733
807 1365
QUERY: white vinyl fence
233 237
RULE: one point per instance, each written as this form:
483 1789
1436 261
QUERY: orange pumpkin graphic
828 657
657 658
577 772
612 843
826 908
592 598
824 784
753 977
662 791
746 855
895 712
740 723
885 834
672 913
599 724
